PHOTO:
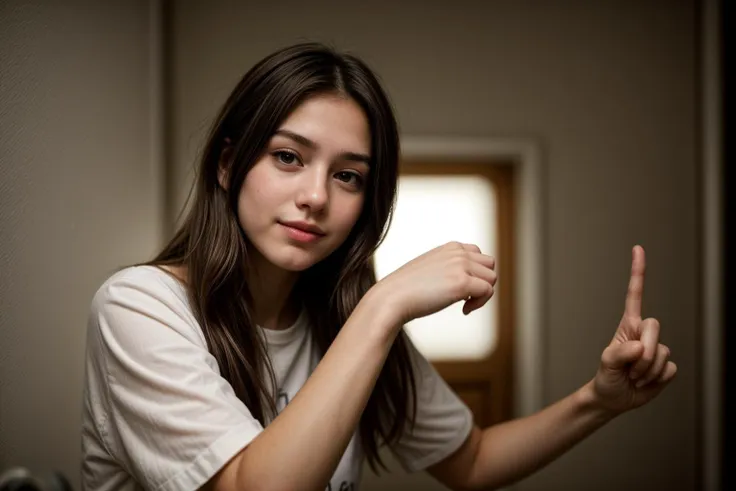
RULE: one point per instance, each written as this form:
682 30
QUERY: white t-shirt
158 415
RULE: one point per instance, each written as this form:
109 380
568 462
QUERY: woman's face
301 199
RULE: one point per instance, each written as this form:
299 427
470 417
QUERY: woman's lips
300 235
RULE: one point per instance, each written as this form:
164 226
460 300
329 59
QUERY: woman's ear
223 168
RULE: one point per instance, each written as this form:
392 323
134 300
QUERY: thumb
617 356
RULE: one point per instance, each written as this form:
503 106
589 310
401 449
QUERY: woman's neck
273 305
272 290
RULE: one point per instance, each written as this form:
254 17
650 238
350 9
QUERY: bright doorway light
432 210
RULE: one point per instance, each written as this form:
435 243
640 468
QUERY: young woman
257 350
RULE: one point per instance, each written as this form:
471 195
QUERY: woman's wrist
591 403
382 307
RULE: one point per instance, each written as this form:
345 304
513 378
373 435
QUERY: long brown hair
213 247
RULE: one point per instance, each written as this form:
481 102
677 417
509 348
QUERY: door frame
529 228
712 253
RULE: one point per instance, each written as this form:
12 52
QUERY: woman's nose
313 194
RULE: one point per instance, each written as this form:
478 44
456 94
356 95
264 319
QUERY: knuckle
607 355
460 262
459 281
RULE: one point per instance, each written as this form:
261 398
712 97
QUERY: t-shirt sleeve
163 410
443 420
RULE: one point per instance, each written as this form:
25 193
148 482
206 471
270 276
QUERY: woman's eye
350 178
287 158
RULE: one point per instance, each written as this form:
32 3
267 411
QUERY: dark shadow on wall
728 18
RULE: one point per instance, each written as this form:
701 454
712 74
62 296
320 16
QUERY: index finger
636 283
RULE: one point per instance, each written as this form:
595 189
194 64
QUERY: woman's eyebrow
303 140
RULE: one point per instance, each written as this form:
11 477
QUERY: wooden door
483 381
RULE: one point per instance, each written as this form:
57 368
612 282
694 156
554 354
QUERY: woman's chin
291 258
296 262
297 268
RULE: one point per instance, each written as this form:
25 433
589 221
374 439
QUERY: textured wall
78 197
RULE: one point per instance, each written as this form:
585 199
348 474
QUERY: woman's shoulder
143 302
141 282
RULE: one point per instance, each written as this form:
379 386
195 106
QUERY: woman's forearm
301 448
512 450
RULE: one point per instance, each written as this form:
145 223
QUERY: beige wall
607 88
78 197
